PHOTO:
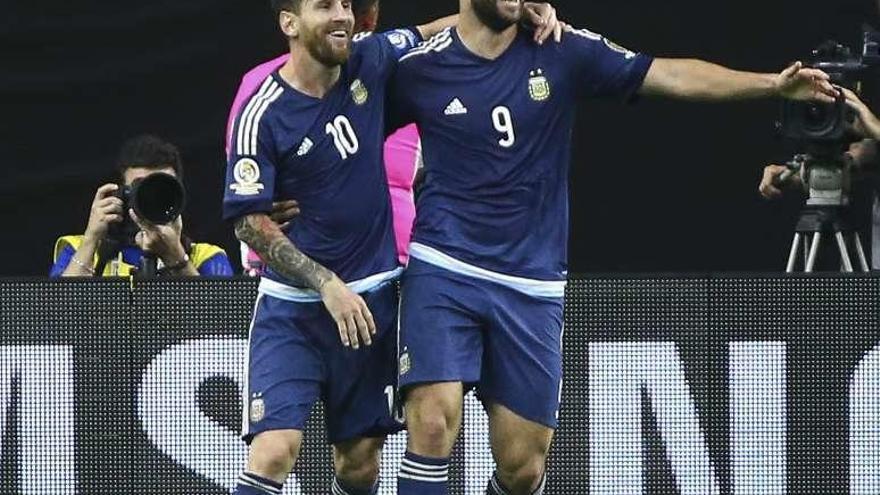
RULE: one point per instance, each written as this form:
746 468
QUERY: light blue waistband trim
295 294
532 287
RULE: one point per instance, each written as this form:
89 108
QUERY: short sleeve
603 68
250 173
391 45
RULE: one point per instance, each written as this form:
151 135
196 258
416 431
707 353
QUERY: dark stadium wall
657 186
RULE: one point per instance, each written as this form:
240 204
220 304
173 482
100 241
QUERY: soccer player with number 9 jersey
482 300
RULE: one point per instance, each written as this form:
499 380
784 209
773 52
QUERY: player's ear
289 23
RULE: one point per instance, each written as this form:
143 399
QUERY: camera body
825 128
158 198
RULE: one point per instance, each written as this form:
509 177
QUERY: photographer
107 236
863 156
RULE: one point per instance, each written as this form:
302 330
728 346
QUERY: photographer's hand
867 123
768 188
800 83
106 209
164 242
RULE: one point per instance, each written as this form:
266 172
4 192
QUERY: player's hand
768 188
866 123
543 17
106 210
805 84
350 312
283 212
161 240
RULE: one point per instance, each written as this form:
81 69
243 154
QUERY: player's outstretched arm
703 81
352 316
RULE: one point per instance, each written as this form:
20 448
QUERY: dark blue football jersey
327 154
496 143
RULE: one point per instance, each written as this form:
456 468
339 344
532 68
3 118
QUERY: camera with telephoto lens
825 128
158 198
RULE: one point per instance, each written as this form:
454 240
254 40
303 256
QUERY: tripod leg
860 251
792 256
814 252
806 248
844 254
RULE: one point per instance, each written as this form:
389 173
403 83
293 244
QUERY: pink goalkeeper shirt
402 156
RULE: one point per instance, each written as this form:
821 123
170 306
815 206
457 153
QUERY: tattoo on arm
265 237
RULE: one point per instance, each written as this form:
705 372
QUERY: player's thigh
359 394
441 337
284 371
518 444
273 453
522 364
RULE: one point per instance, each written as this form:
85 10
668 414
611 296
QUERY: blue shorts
297 358
455 328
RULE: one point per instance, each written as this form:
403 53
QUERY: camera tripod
813 225
826 213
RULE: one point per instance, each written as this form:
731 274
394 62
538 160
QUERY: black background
661 185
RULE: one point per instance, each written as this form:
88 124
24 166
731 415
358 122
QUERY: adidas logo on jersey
305 147
456 108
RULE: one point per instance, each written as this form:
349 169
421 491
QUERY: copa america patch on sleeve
401 38
247 178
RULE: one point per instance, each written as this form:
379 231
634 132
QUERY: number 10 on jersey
344 137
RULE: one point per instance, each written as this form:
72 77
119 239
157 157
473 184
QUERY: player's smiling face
326 28
498 14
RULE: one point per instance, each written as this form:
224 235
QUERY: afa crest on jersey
258 410
405 363
359 92
539 86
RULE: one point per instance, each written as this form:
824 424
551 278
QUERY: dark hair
358 6
279 5
150 152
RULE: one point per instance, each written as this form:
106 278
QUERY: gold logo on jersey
539 86
359 92
246 173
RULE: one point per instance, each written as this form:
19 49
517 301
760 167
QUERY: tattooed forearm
265 237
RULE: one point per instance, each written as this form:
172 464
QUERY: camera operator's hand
866 123
768 187
800 83
283 212
164 242
106 209
353 317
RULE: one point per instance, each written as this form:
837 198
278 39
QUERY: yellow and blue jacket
208 259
